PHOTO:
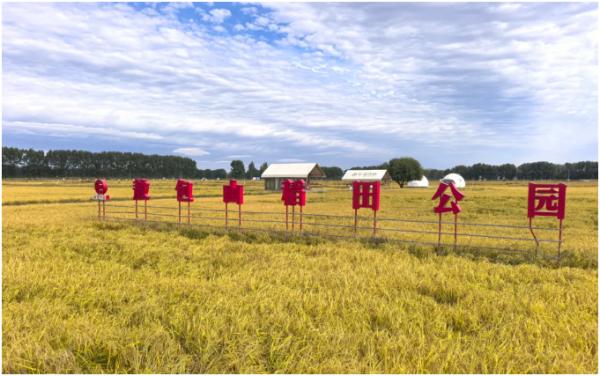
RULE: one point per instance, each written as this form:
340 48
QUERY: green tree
252 171
333 173
403 170
237 169
263 167
507 171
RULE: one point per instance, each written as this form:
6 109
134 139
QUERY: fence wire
312 224
308 234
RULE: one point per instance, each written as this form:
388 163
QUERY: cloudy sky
338 83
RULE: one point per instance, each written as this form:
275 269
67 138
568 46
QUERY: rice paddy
82 295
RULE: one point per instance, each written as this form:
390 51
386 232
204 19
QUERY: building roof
292 170
366 175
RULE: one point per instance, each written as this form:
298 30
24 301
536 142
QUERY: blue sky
335 83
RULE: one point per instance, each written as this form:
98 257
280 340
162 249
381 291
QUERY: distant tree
403 170
333 173
507 171
462 170
383 166
220 173
252 171
482 171
263 167
238 171
538 170
433 173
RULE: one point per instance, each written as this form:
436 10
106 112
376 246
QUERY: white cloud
191 151
217 15
362 81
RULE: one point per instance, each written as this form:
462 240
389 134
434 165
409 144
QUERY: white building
423 183
367 175
278 172
459 181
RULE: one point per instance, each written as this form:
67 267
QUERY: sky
345 84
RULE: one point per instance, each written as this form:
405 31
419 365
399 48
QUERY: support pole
286 219
104 210
239 216
98 209
145 210
439 232
537 243
293 216
189 213
560 228
136 209
455 230
355 221
374 223
300 218
179 216
226 216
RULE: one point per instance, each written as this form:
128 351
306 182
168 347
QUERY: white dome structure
423 183
459 181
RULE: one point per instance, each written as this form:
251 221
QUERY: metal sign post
233 193
547 200
189 213
374 223
366 195
179 216
442 207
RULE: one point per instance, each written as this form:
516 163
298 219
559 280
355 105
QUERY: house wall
274 184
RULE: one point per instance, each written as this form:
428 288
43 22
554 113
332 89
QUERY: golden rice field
87 296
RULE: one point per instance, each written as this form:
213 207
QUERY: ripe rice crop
84 296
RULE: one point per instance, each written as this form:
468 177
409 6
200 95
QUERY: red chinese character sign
448 203
101 187
233 193
547 200
141 190
366 195
185 193
293 193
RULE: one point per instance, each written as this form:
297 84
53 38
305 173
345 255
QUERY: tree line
76 163
525 171
508 171
29 163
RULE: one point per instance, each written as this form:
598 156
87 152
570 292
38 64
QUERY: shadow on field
501 256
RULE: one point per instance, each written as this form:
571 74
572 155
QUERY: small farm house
367 175
459 181
423 183
278 172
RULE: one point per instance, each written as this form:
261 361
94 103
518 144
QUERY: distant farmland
83 296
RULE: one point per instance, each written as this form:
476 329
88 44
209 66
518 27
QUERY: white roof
424 182
365 175
290 170
459 181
